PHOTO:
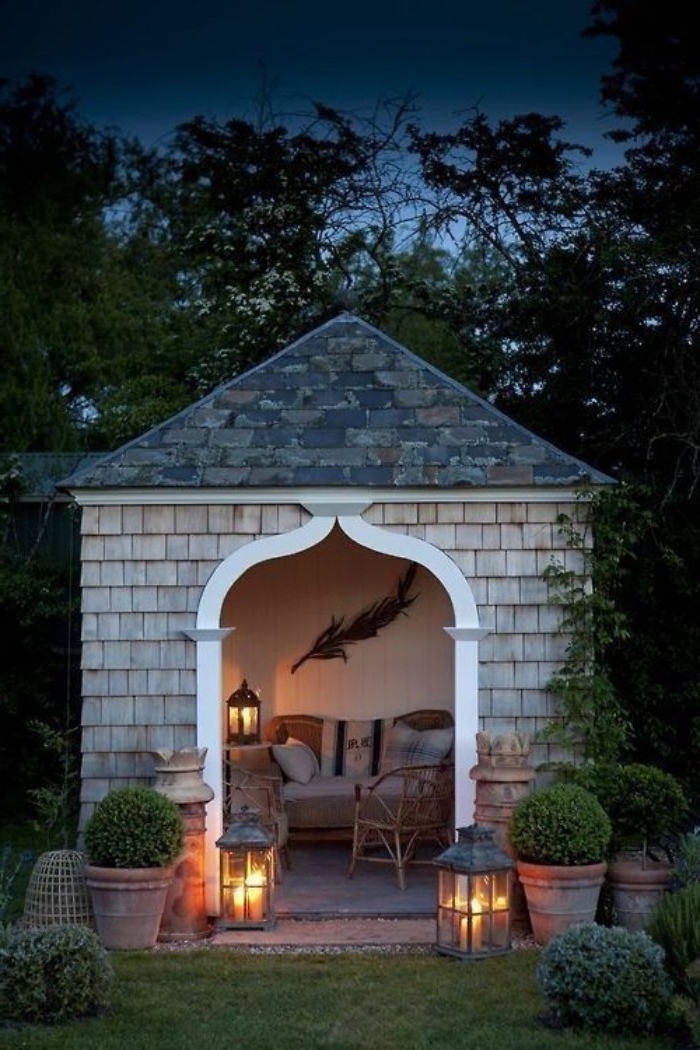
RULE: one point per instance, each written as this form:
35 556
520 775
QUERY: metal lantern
247 873
243 716
474 890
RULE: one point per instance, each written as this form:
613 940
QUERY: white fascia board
340 500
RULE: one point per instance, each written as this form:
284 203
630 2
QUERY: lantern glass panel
246 887
243 716
473 914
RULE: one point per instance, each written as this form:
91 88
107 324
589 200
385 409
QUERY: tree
270 222
88 295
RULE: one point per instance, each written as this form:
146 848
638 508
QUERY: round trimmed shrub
134 827
605 977
561 824
645 804
54 974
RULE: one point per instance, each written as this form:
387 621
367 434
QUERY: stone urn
179 776
503 776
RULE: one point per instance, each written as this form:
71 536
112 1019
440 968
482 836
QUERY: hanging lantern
247 873
474 890
243 716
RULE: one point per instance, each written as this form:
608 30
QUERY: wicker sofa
321 759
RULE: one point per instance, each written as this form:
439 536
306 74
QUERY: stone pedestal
179 776
503 776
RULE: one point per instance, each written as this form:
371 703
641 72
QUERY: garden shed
221 544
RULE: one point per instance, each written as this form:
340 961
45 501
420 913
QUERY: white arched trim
432 558
209 637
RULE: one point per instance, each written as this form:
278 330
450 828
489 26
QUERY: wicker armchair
264 793
395 828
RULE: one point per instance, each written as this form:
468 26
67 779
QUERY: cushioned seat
323 759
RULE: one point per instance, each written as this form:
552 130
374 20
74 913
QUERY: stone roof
344 406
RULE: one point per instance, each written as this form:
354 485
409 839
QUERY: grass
219 997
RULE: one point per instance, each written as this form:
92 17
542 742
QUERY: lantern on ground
247 873
474 889
243 716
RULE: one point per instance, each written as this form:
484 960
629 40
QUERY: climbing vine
591 722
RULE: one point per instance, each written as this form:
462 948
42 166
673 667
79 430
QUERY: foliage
561 824
134 827
54 975
657 667
646 805
39 734
87 298
685 852
675 926
55 801
590 718
14 864
605 978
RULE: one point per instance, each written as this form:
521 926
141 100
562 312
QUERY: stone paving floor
324 934
318 909
318 906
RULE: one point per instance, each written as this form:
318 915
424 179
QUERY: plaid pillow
413 747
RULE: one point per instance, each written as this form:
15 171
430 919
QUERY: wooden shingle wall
143 572
144 569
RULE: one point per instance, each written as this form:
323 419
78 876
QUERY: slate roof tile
346 406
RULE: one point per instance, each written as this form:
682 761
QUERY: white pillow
296 760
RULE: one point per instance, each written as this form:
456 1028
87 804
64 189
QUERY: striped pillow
413 747
351 748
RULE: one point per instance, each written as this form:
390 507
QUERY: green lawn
221 998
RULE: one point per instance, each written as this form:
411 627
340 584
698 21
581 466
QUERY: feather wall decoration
332 642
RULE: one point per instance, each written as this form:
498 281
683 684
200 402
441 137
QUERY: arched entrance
210 635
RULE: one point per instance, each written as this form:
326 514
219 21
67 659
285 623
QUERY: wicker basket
57 893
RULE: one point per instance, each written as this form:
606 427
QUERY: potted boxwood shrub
647 807
560 836
132 840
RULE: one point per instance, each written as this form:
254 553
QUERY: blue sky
144 67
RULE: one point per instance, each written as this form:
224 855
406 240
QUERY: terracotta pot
560 897
637 886
128 904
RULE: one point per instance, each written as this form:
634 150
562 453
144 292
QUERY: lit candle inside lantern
477 924
239 903
463 932
255 890
255 903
